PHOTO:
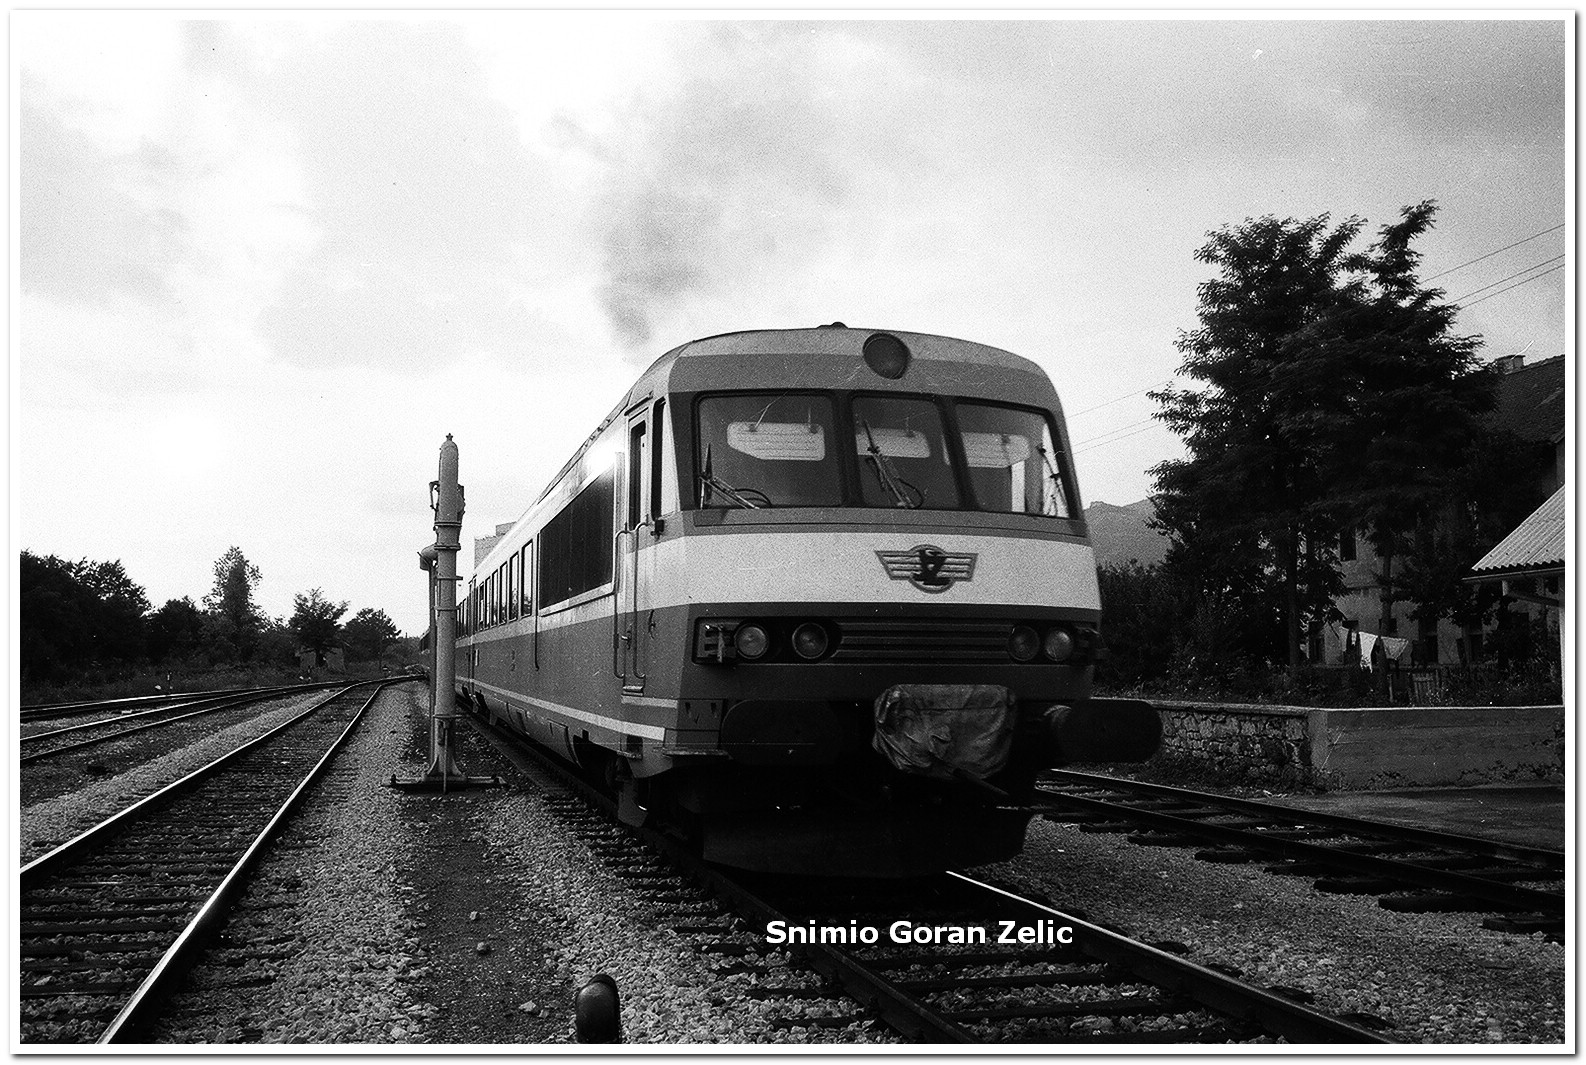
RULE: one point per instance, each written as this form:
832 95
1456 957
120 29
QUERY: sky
267 262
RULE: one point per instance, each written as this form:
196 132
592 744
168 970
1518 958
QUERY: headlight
751 641
1058 645
810 641
1023 643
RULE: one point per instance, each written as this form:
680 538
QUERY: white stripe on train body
927 523
820 566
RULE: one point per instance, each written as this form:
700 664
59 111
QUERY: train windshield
908 452
768 451
903 455
1012 460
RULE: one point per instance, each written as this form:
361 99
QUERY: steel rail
35 711
228 702
53 860
1217 991
181 954
1476 845
44 711
906 1013
902 1011
1505 896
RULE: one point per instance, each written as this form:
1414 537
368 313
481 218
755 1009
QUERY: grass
104 685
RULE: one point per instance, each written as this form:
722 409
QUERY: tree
53 616
75 614
1245 502
278 644
316 621
175 631
368 633
116 612
237 621
1402 464
1145 620
1331 393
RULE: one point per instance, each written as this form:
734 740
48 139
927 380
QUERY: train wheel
633 795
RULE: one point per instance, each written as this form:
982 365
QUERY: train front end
885 600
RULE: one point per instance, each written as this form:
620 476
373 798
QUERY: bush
1534 683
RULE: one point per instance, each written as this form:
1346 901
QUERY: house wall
1379 747
1531 405
1236 744
1362 603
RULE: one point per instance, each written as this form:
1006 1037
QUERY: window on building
1426 644
1346 545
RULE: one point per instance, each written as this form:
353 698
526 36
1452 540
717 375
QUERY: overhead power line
1105 443
1120 399
1123 432
1102 438
1511 277
1514 286
1490 254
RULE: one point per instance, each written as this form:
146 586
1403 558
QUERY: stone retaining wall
1380 747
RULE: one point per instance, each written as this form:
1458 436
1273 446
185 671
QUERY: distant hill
1121 533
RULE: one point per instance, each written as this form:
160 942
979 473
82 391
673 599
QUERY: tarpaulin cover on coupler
945 730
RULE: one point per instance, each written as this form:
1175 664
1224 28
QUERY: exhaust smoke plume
739 166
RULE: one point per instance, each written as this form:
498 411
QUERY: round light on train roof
886 355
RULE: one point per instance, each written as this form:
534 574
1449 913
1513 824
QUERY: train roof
836 339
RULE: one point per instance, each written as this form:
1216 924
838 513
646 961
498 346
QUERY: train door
633 585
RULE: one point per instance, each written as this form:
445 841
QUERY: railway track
1081 984
51 710
40 746
111 918
1410 869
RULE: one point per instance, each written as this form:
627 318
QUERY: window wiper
890 480
1055 491
709 482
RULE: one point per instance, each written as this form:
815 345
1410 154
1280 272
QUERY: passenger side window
512 588
526 580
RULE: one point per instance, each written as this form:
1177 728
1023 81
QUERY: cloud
432 210
746 157
92 227
168 214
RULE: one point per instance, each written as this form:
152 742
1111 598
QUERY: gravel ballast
462 919
469 919
1440 978
52 821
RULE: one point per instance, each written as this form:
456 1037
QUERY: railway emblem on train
928 567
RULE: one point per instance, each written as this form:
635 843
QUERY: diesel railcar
819 599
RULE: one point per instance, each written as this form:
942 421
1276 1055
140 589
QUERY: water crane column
446 499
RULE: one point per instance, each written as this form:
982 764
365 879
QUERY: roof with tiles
1531 401
1537 543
